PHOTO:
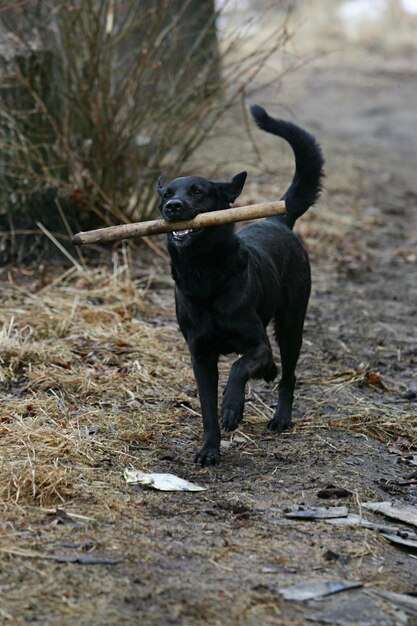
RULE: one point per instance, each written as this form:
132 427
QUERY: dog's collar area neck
200 253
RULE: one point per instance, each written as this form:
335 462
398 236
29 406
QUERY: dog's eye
167 193
196 191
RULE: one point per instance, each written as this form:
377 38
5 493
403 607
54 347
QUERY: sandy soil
221 556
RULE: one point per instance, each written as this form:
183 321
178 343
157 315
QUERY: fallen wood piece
405 514
359 609
357 520
156 227
406 540
316 589
400 599
313 513
83 559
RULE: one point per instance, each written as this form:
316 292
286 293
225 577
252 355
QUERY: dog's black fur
228 286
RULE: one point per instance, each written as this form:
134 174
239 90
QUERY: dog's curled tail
307 181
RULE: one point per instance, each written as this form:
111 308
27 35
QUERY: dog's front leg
207 377
257 362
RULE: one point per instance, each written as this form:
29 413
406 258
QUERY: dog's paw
207 456
270 372
278 424
230 418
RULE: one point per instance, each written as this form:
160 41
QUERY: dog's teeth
182 233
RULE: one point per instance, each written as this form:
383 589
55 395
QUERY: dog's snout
174 206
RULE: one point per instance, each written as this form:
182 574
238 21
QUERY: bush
98 97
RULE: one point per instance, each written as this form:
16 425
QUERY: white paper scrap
162 482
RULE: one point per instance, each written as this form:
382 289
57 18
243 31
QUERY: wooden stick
155 227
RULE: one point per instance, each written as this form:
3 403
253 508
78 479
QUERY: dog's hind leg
289 334
257 362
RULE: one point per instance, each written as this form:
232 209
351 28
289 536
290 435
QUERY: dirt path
221 556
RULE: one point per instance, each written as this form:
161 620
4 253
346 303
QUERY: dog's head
184 198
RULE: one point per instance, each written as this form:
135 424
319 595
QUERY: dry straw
95 375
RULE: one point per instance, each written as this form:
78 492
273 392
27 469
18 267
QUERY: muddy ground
221 556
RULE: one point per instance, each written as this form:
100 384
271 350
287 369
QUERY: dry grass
94 375
375 418
81 370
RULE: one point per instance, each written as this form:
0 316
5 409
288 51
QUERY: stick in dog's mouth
202 220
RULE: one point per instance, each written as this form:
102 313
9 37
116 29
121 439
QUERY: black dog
228 286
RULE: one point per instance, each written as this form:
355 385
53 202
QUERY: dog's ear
231 190
159 187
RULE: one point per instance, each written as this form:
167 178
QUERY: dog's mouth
184 236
